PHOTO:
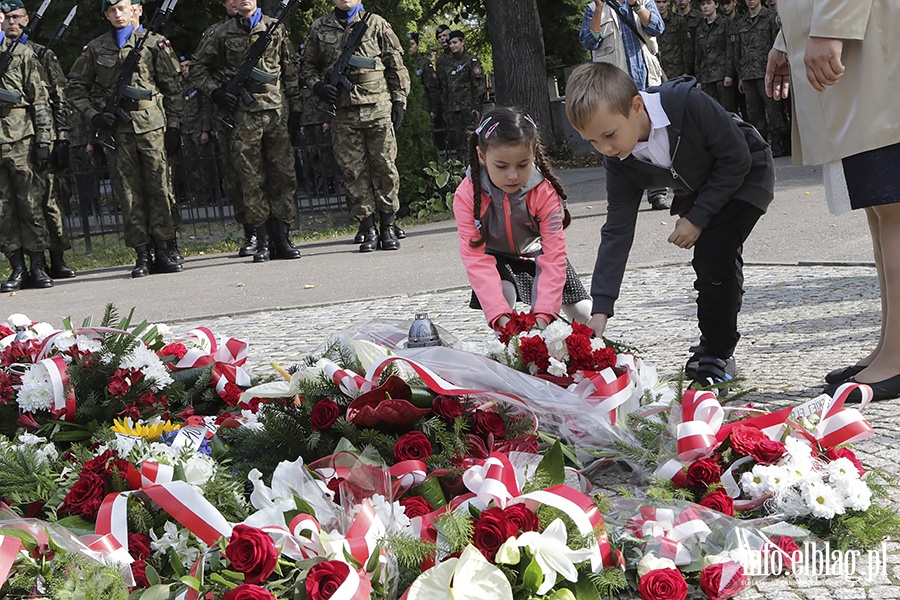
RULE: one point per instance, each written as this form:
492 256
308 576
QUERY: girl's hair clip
477 223
528 118
490 130
482 125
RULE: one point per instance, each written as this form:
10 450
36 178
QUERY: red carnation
703 473
177 350
231 394
744 438
719 500
534 351
605 358
581 356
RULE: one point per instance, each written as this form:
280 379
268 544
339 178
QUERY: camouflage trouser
726 96
366 153
21 213
140 179
263 158
51 188
763 112
458 122
231 186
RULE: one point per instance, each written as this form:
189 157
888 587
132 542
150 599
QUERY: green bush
436 187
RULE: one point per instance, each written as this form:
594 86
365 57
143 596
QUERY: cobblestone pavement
798 322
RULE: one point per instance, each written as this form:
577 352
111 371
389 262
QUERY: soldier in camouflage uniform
198 166
463 89
431 99
25 134
714 56
51 185
137 163
363 130
693 18
259 145
676 47
756 34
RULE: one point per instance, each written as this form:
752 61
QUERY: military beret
441 28
11 5
104 4
456 33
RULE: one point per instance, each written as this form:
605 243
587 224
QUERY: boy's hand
685 234
598 323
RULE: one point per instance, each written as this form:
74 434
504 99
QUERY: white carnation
597 344
42 330
36 392
18 321
391 514
557 368
557 331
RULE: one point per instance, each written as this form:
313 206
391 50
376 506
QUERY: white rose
651 562
198 469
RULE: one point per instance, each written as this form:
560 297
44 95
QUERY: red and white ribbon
63 394
350 383
701 418
409 473
9 549
840 425
495 480
227 358
149 474
666 532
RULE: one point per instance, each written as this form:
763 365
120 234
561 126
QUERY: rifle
11 96
123 88
348 57
236 86
59 33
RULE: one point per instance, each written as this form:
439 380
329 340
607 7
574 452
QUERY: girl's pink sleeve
543 203
481 268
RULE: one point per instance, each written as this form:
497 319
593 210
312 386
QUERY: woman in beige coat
846 65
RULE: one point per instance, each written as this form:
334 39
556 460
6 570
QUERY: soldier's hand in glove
59 157
325 91
224 100
397 114
172 140
104 120
42 157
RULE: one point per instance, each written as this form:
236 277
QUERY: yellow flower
152 432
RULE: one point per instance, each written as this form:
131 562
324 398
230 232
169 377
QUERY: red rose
703 473
768 452
786 549
139 571
231 393
836 453
663 584
246 591
412 446
177 350
492 529
679 479
139 546
523 517
86 496
324 414
447 407
416 506
723 580
744 438
106 465
251 552
489 423
719 500
325 578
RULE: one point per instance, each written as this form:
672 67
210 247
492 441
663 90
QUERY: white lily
469 577
283 388
552 554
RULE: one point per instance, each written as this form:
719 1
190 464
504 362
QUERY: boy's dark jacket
716 159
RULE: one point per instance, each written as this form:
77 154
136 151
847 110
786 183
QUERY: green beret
104 4
11 5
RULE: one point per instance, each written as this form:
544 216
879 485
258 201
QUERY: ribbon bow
227 359
841 425
701 418
666 532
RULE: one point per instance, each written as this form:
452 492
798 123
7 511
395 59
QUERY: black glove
105 120
224 100
41 157
325 91
59 157
397 114
172 140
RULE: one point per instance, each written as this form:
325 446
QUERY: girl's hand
598 323
685 234
501 322
541 322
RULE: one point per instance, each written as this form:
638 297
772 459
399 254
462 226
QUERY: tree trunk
520 75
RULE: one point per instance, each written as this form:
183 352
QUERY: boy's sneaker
712 371
690 367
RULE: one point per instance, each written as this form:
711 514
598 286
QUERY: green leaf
157 592
28 540
585 590
553 465
77 525
191 582
533 576
152 575
442 179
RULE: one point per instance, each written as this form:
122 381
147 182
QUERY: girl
511 212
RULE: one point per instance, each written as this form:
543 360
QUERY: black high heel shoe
881 390
843 374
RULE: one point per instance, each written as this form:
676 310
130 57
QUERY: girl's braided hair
510 126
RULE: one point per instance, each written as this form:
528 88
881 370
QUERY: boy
723 176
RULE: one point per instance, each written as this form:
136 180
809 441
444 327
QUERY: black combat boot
17 276
370 235
263 244
249 246
388 238
162 261
40 278
360 236
173 251
282 241
142 264
58 267
398 231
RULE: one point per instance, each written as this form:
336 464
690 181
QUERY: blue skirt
873 177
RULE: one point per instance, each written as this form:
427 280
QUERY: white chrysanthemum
125 445
36 392
821 500
856 495
797 449
18 321
776 478
557 368
145 360
761 480
841 471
